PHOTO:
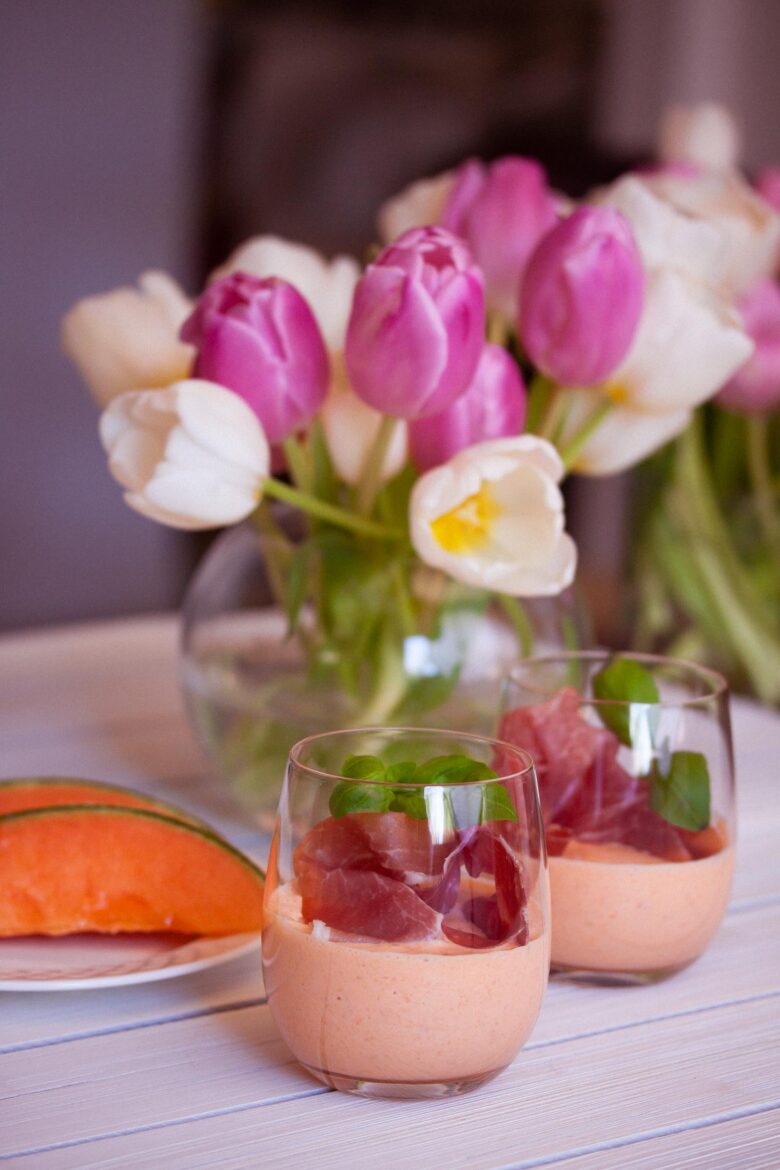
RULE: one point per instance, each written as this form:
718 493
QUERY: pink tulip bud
259 338
501 210
493 407
755 388
417 325
582 297
768 186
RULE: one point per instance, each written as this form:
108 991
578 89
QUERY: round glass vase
285 635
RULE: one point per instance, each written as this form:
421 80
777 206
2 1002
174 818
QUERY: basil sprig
679 783
389 794
623 681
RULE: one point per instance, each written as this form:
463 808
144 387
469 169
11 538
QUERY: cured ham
586 793
379 875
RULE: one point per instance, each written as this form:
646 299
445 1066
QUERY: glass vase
284 636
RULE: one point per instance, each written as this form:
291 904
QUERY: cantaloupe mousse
631 893
391 961
108 860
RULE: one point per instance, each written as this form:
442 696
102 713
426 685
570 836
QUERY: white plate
79 961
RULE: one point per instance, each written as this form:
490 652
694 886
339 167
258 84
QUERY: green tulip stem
330 513
538 397
371 474
571 451
729 587
298 462
513 608
760 471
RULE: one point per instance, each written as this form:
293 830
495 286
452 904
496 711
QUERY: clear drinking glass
638 806
406 935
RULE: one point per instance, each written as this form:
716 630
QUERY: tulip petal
688 344
396 342
128 339
493 517
327 285
192 456
623 438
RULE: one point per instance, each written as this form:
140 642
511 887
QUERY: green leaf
423 694
454 769
325 484
297 585
404 772
622 681
497 804
410 801
363 768
681 793
352 798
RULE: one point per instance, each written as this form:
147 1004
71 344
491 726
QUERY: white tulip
623 438
493 517
129 338
666 237
749 226
705 135
327 285
687 345
350 427
193 455
418 205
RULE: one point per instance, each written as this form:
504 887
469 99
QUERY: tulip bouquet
707 553
422 412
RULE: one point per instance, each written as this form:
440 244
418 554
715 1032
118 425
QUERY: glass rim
524 775
717 683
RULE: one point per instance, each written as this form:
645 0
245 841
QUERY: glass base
595 978
404 1090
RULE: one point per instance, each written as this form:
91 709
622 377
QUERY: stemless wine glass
406 932
636 776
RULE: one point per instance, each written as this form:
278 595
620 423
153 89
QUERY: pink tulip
417 325
493 407
768 186
501 210
582 297
259 338
755 388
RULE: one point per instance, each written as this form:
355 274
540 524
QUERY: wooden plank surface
191 1072
556 1101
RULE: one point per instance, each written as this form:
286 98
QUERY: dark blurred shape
321 111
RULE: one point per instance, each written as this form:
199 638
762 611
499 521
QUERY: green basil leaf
410 801
455 769
497 804
352 798
623 681
681 793
404 772
363 768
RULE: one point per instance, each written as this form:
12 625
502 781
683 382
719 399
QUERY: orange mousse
409 1012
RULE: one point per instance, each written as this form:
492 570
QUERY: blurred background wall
142 133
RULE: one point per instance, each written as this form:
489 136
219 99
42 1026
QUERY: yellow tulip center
617 391
467 527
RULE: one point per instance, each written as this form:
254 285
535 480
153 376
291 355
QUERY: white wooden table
191 1073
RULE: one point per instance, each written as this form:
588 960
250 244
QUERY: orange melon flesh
109 869
49 791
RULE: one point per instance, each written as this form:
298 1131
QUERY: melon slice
29 792
109 869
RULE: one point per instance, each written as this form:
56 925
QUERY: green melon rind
148 814
100 786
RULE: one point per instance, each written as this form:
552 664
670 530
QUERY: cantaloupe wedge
28 792
110 869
